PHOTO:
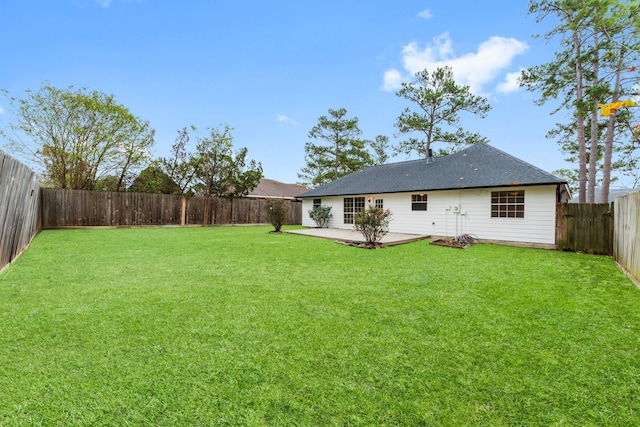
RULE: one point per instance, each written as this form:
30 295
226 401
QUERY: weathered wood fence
19 208
587 228
80 208
626 240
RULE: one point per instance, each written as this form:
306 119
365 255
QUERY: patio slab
341 235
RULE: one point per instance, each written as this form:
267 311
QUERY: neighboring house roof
477 166
270 188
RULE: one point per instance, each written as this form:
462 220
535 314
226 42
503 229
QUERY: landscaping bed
459 242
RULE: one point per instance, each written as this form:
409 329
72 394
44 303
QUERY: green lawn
236 326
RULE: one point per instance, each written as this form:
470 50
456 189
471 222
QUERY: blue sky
269 69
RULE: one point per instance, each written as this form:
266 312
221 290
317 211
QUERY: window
352 205
379 203
418 202
507 204
317 203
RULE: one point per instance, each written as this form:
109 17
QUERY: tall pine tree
342 152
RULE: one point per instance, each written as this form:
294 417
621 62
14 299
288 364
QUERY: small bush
373 223
321 215
277 210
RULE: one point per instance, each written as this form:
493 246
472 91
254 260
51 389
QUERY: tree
565 136
344 151
380 148
439 101
153 180
181 166
628 162
598 38
78 137
570 175
107 183
621 31
221 172
565 74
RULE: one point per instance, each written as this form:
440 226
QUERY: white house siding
337 210
473 215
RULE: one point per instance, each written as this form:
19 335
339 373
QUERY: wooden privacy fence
80 208
626 239
19 207
587 228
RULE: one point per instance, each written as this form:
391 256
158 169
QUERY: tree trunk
608 153
593 156
608 143
582 149
593 151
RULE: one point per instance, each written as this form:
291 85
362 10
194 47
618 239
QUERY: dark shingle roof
480 165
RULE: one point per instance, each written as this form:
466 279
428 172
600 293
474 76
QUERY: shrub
321 215
373 223
277 210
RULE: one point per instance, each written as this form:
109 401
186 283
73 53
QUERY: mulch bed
461 242
451 243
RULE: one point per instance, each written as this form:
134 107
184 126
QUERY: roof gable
479 165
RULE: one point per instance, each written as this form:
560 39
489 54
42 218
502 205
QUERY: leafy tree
107 183
439 101
78 137
221 172
277 210
344 151
599 42
181 166
629 153
153 180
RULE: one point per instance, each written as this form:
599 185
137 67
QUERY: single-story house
270 188
479 190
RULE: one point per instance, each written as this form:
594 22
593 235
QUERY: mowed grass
236 326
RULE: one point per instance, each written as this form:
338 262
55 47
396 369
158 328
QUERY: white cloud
392 80
1 110
284 119
104 3
477 69
511 82
426 14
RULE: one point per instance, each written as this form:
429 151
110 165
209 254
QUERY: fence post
183 212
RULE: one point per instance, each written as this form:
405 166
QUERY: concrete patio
341 235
